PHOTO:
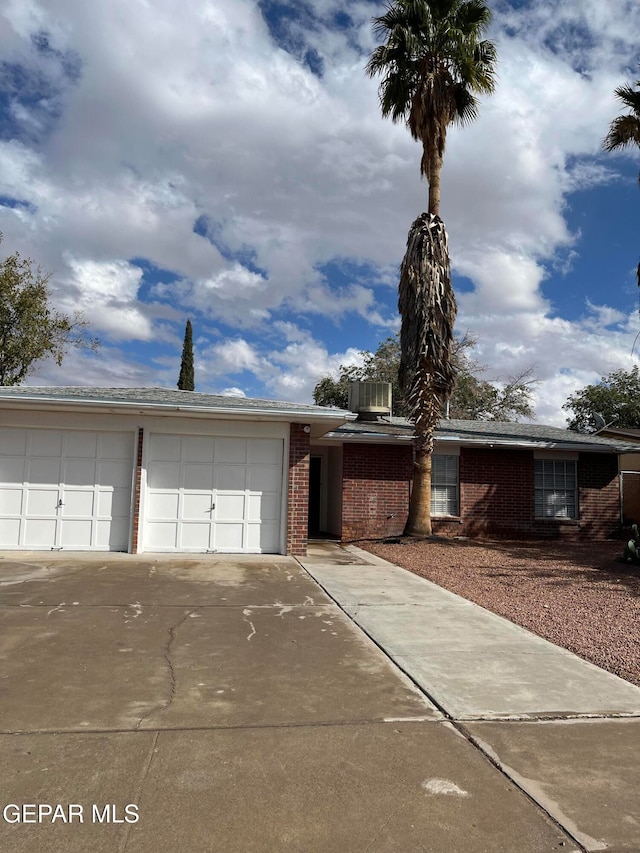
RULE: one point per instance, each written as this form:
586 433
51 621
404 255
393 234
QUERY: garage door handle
213 506
59 504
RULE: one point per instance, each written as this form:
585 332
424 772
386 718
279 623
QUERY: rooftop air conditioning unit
369 400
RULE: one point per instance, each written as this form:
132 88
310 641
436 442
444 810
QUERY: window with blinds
444 485
556 488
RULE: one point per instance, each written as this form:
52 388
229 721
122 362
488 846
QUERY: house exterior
509 479
158 470
153 469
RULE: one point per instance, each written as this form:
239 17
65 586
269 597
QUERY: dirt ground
579 596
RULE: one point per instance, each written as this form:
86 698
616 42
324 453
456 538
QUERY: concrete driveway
225 704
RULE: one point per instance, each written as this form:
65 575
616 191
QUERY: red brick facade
298 497
496 494
137 488
376 484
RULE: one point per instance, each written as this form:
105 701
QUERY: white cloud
183 111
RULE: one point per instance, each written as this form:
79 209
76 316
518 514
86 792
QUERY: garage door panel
263 478
263 450
11 469
114 502
199 449
79 472
265 507
45 442
13 442
197 506
224 494
40 471
115 445
163 506
230 478
115 474
164 475
230 507
40 532
11 501
112 534
165 448
41 502
78 503
232 450
75 533
161 535
195 536
52 495
197 477
82 444
229 536
263 537
10 532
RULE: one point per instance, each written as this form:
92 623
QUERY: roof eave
323 420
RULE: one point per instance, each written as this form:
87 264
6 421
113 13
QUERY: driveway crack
167 656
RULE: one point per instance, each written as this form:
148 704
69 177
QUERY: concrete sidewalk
565 731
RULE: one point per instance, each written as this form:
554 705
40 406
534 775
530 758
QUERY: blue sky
225 160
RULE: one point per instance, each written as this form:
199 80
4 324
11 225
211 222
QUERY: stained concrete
84 770
241 709
155 663
406 788
585 773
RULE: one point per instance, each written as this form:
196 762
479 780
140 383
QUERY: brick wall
137 486
598 495
376 482
298 497
496 495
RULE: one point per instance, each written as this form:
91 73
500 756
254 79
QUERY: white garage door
208 493
65 489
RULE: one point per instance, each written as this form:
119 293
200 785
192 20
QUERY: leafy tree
616 398
473 397
30 330
186 381
625 130
433 64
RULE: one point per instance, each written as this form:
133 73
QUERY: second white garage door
209 493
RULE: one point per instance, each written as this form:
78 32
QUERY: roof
483 433
170 401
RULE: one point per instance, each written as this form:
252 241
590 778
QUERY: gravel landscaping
579 596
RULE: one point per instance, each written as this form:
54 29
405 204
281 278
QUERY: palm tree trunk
419 520
427 304
435 168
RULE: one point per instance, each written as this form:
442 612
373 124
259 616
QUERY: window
444 485
555 488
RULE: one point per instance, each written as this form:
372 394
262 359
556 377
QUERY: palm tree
433 64
625 130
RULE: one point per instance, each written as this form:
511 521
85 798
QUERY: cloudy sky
225 160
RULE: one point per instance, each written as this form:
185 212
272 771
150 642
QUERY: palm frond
428 307
623 131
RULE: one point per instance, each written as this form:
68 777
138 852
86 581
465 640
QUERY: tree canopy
616 398
186 380
473 397
30 330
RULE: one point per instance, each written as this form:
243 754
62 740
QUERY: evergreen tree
186 382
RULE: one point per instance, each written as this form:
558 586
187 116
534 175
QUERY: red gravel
580 596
